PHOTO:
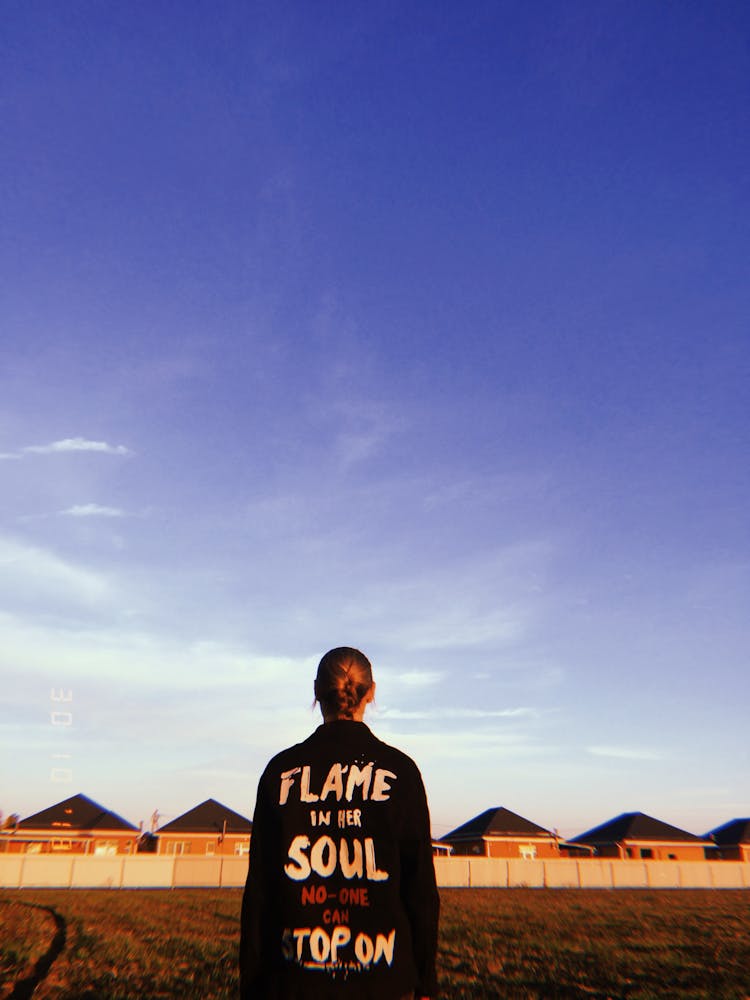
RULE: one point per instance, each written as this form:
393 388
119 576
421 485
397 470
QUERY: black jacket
340 899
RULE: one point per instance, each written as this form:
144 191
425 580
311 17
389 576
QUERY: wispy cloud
483 491
411 678
460 744
92 510
625 753
117 649
354 448
461 713
41 576
76 444
469 603
421 619
369 427
463 628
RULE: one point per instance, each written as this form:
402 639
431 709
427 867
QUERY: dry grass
532 943
495 943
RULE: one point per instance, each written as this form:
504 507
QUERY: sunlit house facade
636 836
77 825
206 830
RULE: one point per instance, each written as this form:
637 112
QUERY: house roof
497 822
208 817
79 813
636 826
736 831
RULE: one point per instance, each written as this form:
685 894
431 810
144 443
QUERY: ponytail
344 678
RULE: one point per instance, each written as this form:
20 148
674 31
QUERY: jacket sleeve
258 941
419 891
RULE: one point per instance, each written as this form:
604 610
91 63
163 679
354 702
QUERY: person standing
340 899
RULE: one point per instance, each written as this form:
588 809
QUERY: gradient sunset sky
418 327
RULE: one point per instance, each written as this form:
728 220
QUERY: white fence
592 873
26 871
148 872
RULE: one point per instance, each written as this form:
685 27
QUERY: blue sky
416 327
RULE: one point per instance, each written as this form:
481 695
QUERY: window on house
211 848
105 847
178 847
242 848
646 852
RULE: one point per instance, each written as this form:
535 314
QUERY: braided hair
344 678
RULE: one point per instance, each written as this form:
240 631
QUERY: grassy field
494 943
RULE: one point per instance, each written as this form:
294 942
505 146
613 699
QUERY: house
636 835
731 841
500 833
77 825
209 828
441 850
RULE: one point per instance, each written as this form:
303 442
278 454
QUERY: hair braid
344 678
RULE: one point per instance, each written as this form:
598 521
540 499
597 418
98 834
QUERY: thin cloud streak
461 713
76 444
469 744
625 753
92 510
411 678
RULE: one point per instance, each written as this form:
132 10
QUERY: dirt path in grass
31 967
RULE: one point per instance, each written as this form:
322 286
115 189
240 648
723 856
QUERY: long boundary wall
592 873
19 871
37 871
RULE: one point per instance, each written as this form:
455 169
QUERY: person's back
340 899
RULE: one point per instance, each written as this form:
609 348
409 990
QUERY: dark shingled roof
736 831
209 817
78 813
497 822
635 826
